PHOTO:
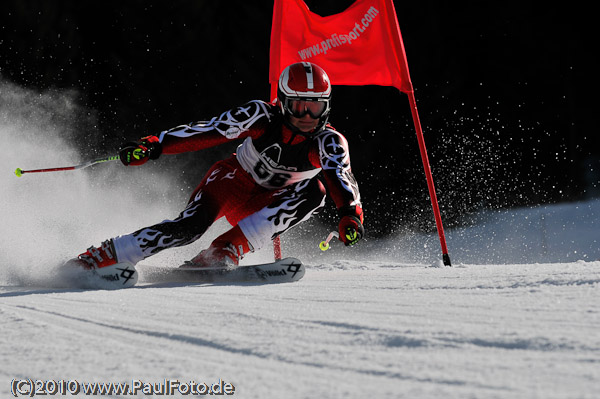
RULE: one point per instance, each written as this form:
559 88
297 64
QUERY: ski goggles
298 108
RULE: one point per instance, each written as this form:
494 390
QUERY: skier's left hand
134 153
351 230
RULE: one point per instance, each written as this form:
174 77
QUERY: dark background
502 92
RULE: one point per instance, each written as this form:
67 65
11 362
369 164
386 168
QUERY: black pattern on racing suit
335 161
230 124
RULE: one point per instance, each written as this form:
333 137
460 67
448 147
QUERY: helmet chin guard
304 88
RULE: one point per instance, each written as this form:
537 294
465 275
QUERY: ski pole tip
19 172
446 260
324 246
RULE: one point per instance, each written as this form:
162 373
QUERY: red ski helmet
304 88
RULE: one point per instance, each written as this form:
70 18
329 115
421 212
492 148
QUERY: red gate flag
359 46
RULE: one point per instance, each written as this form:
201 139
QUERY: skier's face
305 124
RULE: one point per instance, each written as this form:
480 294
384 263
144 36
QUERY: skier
270 185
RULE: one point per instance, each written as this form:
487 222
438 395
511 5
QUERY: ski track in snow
348 329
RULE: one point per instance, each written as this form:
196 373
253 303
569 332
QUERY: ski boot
103 262
224 252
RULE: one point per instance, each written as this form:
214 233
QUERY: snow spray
48 218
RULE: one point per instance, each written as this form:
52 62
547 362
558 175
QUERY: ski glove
134 153
351 230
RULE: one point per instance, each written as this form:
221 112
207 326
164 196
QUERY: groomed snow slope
349 329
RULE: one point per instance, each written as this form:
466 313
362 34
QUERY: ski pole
324 245
19 172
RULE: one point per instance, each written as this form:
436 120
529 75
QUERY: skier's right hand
138 153
350 230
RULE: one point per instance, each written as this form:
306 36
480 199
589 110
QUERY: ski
282 271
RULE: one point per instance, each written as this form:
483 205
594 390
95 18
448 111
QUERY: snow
348 329
517 316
